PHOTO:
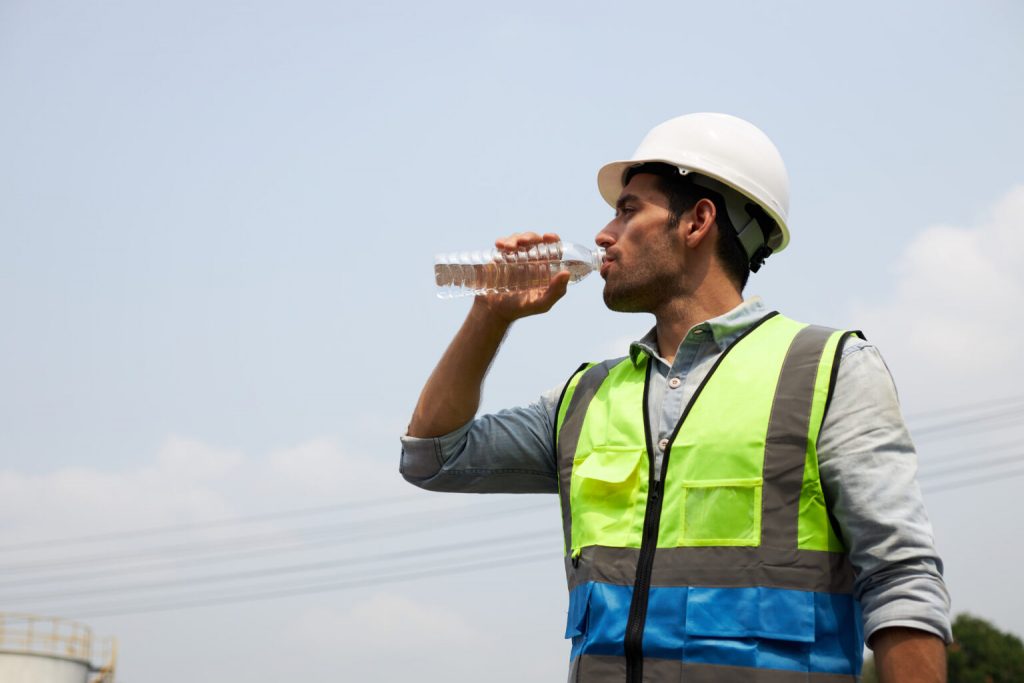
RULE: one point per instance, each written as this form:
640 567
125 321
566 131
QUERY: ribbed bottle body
494 271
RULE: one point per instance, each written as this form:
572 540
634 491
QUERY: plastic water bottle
493 271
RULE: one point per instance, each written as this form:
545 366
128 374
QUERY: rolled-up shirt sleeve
511 451
868 468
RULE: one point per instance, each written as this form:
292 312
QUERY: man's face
644 254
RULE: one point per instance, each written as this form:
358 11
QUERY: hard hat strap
748 220
760 227
751 236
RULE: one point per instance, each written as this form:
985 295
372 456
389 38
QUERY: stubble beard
644 287
641 292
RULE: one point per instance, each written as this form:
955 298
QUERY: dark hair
682 196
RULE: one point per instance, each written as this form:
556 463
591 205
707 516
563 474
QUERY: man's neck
678 317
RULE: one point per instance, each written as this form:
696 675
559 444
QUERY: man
738 493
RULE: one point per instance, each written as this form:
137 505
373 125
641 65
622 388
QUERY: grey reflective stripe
693 672
786 445
717 567
569 435
605 669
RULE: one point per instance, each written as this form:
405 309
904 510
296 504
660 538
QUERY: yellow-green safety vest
726 565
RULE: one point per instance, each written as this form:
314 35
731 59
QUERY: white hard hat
734 154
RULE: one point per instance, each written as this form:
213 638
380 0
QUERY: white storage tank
37 649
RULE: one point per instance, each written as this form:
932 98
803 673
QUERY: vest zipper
645 563
633 643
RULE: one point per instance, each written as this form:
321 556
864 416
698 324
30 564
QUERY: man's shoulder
856 354
853 340
860 362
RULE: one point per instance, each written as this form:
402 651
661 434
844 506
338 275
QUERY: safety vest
725 565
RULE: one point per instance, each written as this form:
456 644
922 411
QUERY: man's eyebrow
625 198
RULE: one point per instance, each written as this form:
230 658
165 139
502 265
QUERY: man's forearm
907 655
451 395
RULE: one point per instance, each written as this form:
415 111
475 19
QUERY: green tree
981 653
868 675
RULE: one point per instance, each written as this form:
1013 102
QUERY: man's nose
607 236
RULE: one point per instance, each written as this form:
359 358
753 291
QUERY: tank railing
45 636
107 653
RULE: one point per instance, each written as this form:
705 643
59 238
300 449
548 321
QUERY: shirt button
663 444
675 382
699 331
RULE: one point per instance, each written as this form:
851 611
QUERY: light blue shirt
867 465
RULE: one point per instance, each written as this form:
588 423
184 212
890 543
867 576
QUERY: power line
1010 414
1002 412
209 524
361 528
89 612
961 431
964 483
419 553
291 591
959 456
279 541
971 466
506 542
275 542
963 408
349 562
160 563
444 570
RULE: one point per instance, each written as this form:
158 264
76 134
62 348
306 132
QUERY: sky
218 222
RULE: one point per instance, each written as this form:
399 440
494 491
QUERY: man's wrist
908 655
482 315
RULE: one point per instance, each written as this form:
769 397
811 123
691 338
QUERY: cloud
952 321
185 481
180 457
321 467
179 484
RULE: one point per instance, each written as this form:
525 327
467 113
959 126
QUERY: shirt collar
724 329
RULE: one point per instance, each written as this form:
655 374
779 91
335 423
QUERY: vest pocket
721 512
579 601
756 612
605 494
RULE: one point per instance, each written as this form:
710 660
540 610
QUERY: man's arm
868 465
451 395
908 655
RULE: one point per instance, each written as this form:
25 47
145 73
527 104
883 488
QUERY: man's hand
452 394
511 306
908 655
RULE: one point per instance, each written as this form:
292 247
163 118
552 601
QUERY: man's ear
698 227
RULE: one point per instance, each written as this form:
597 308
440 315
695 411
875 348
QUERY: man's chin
621 302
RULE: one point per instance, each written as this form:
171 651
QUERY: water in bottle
492 271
